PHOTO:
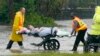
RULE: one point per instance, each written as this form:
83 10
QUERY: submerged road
66 42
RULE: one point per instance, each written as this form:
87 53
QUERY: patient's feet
36 44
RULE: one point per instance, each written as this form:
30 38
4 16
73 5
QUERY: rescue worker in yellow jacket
94 34
17 25
78 26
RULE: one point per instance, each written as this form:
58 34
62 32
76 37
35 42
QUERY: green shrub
38 20
32 16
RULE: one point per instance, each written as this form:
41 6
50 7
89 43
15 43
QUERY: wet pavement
65 42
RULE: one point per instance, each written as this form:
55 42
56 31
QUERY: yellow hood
97 10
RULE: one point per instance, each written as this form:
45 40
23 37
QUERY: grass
57 54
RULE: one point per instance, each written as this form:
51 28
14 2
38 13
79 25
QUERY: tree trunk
11 11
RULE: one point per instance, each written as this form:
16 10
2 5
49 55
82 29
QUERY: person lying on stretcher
45 32
41 32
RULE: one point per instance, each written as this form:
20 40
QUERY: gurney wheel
86 48
52 44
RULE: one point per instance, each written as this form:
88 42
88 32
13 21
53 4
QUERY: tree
10 9
49 7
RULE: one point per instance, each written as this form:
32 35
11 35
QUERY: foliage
32 17
42 8
38 20
3 11
49 7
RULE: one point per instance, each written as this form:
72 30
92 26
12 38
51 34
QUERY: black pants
9 45
79 37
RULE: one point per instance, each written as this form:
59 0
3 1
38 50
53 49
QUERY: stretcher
50 43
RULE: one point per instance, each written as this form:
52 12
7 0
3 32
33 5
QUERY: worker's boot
74 48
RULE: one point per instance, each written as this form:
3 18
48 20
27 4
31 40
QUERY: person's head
97 10
23 10
72 15
30 27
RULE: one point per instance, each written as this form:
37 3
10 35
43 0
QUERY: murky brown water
66 43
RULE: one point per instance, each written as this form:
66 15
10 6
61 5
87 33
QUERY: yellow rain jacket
95 29
18 24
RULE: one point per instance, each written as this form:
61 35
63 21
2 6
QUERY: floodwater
65 42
